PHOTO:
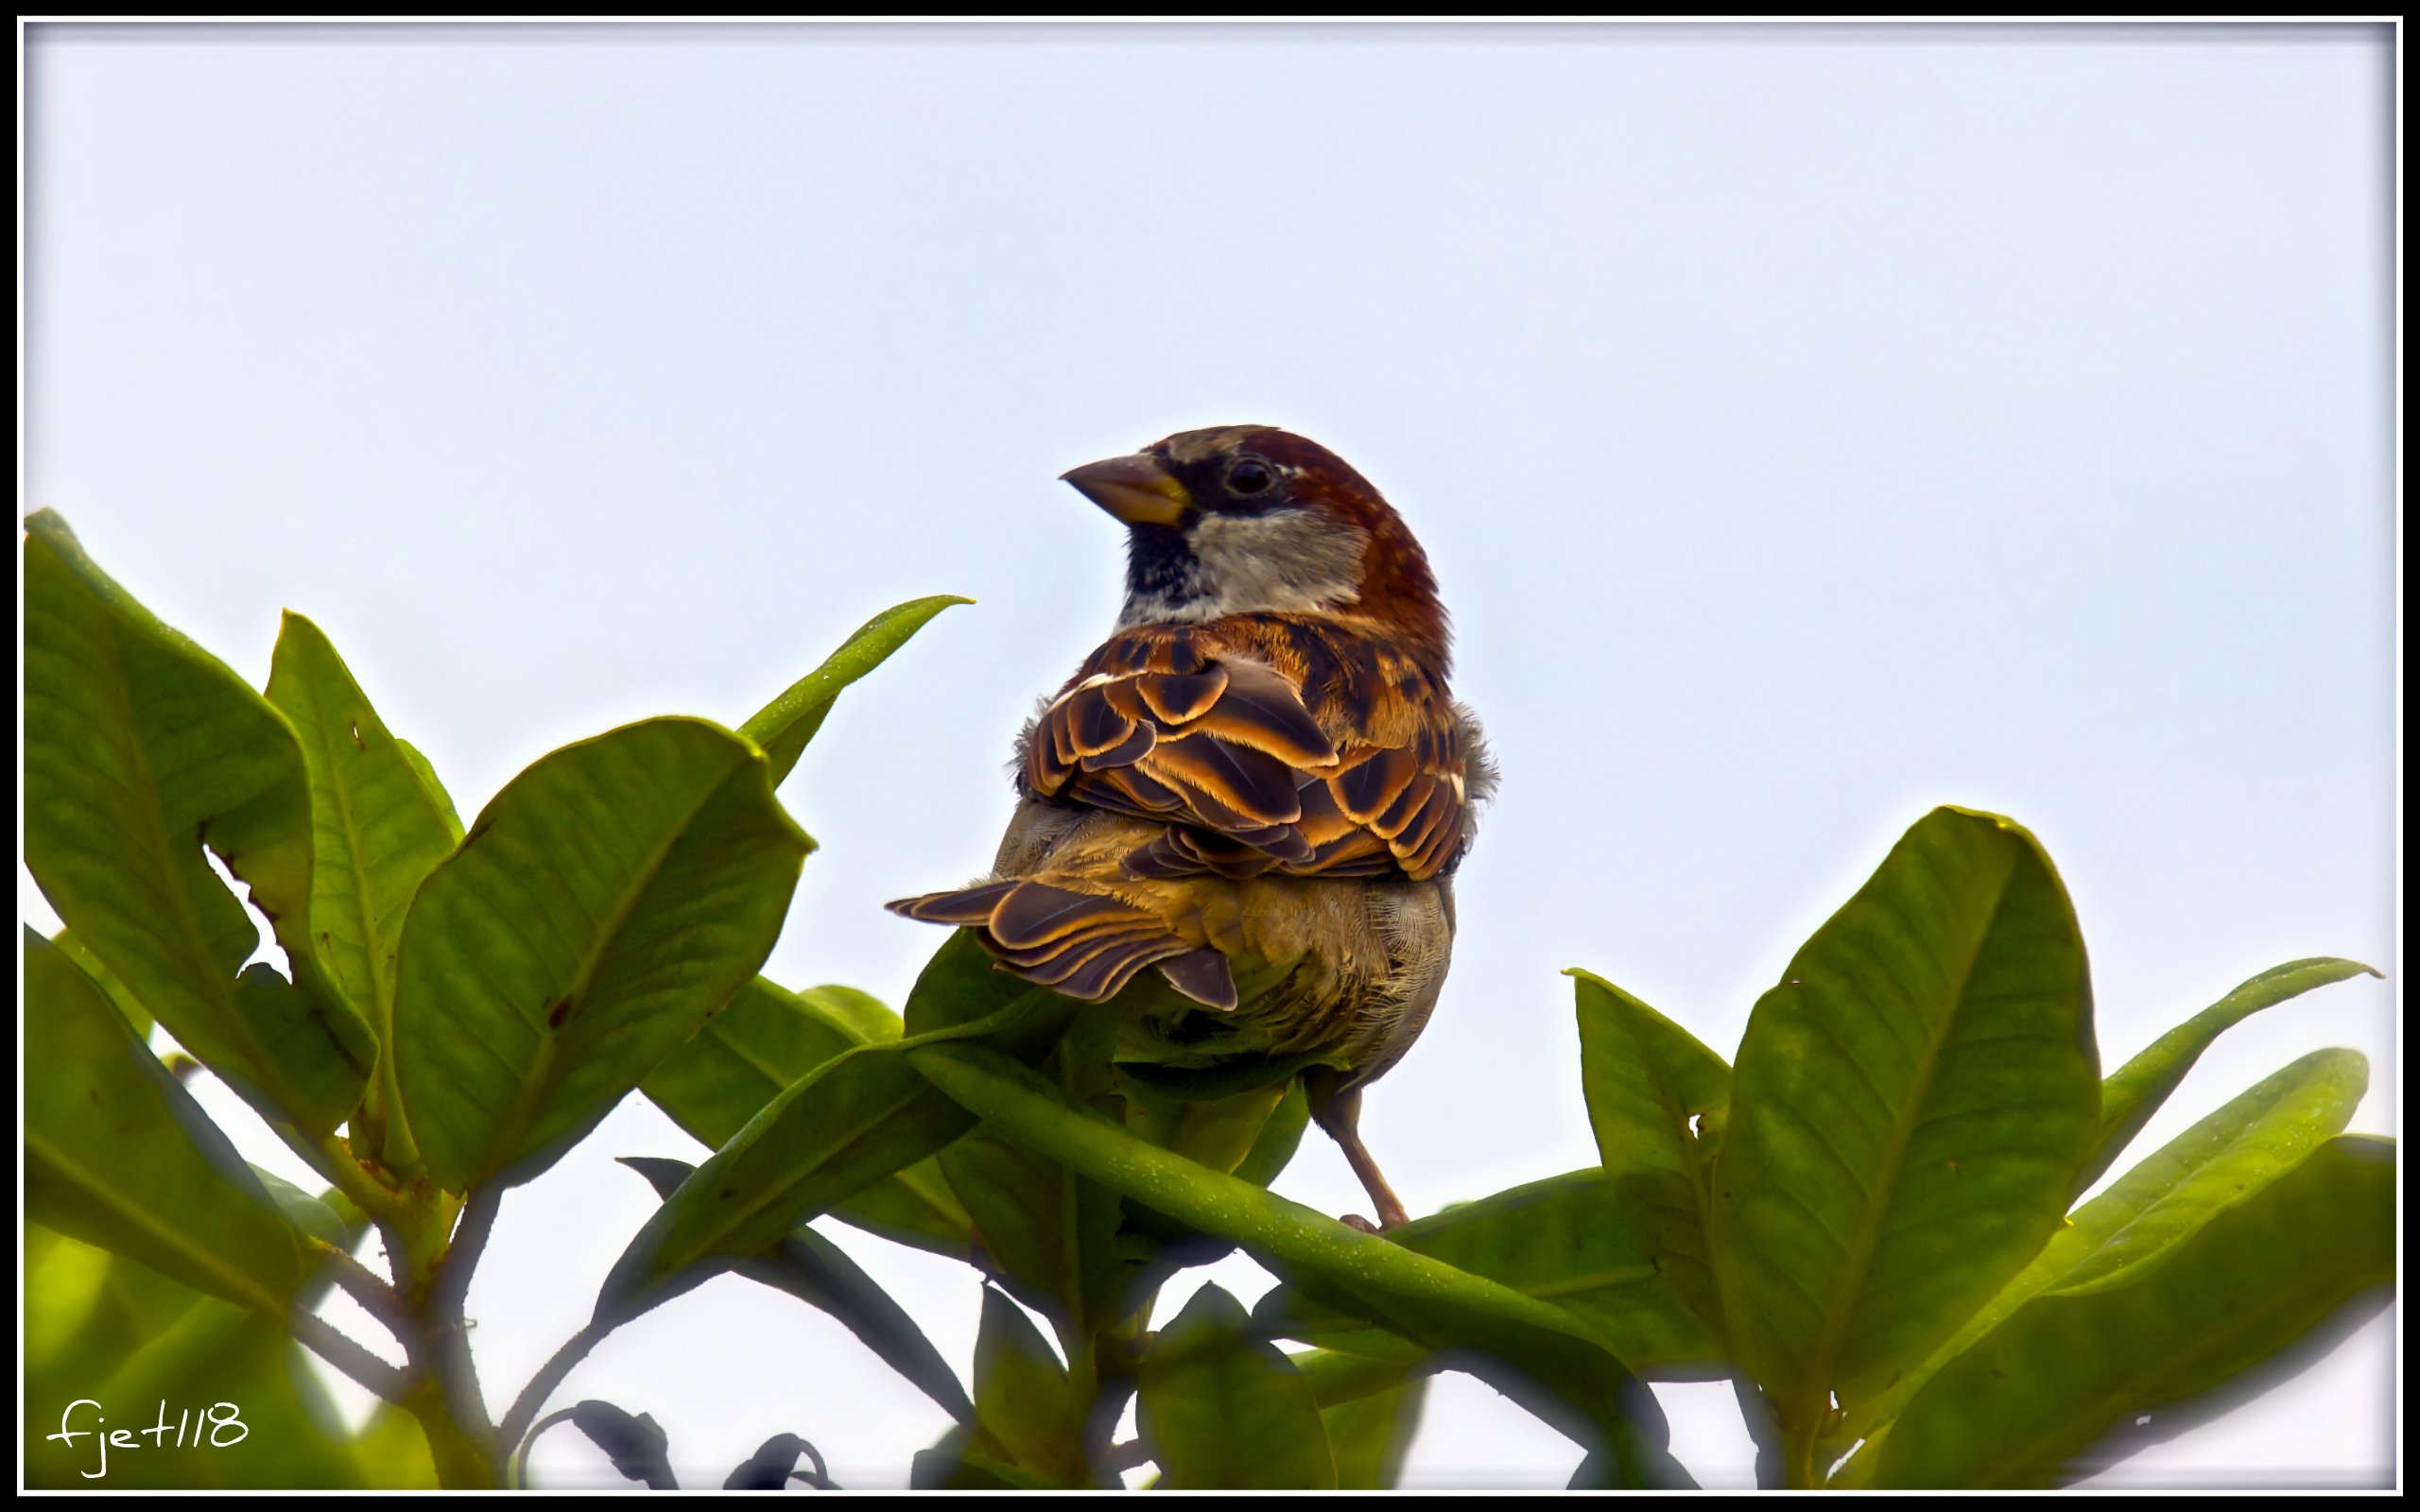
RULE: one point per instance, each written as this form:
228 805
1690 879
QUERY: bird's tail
1083 944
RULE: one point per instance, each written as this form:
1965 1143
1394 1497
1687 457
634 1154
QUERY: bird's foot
1353 1220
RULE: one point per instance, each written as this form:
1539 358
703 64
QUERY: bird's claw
1353 1220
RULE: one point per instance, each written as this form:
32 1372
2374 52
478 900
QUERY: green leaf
2075 1379
1369 1436
377 831
765 1040
150 1340
1281 1135
608 901
1054 1234
1221 1409
120 1156
141 747
2227 1158
311 1217
1570 1240
1542 1356
832 1134
1908 1113
818 1273
956 1465
783 728
1023 1403
138 1018
435 789
1657 1100
2135 1090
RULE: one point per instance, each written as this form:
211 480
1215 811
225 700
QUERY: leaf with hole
1658 1102
140 749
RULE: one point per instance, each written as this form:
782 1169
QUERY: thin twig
521 1461
322 1338
372 1291
516 1429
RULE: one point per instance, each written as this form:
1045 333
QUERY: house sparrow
1260 770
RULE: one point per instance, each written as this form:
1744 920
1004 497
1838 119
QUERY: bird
1261 774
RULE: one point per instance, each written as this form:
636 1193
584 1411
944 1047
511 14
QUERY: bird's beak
1136 488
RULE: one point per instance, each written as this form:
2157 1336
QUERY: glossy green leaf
1533 1351
1570 1240
1221 1409
783 728
141 749
1657 1100
2135 1090
1908 1110
2224 1159
377 831
120 1156
2076 1380
832 1134
435 789
1339 1376
818 1273
144 1340
1052 1237
604 906
1251 1134
1370 1436
956 1465
311 1217
1280 1135
1024 1406
769 1038
138 1018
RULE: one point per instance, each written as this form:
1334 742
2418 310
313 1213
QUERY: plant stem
1798 1460
367 1287
464 1460
448 1334
323 1339
542 1386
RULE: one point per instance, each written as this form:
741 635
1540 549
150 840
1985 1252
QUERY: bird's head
1250 519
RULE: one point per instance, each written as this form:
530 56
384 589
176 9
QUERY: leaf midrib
1822 1360
168 1238
220 1004
539 1083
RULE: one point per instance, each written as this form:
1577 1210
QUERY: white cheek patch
1290 561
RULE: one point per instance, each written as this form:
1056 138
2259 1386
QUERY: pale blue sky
1806 428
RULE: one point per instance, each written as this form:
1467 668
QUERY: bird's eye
1249 476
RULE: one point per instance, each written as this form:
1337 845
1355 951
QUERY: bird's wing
1209 729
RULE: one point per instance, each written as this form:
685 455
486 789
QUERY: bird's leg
1340 1113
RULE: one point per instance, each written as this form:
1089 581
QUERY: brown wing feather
1269 743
